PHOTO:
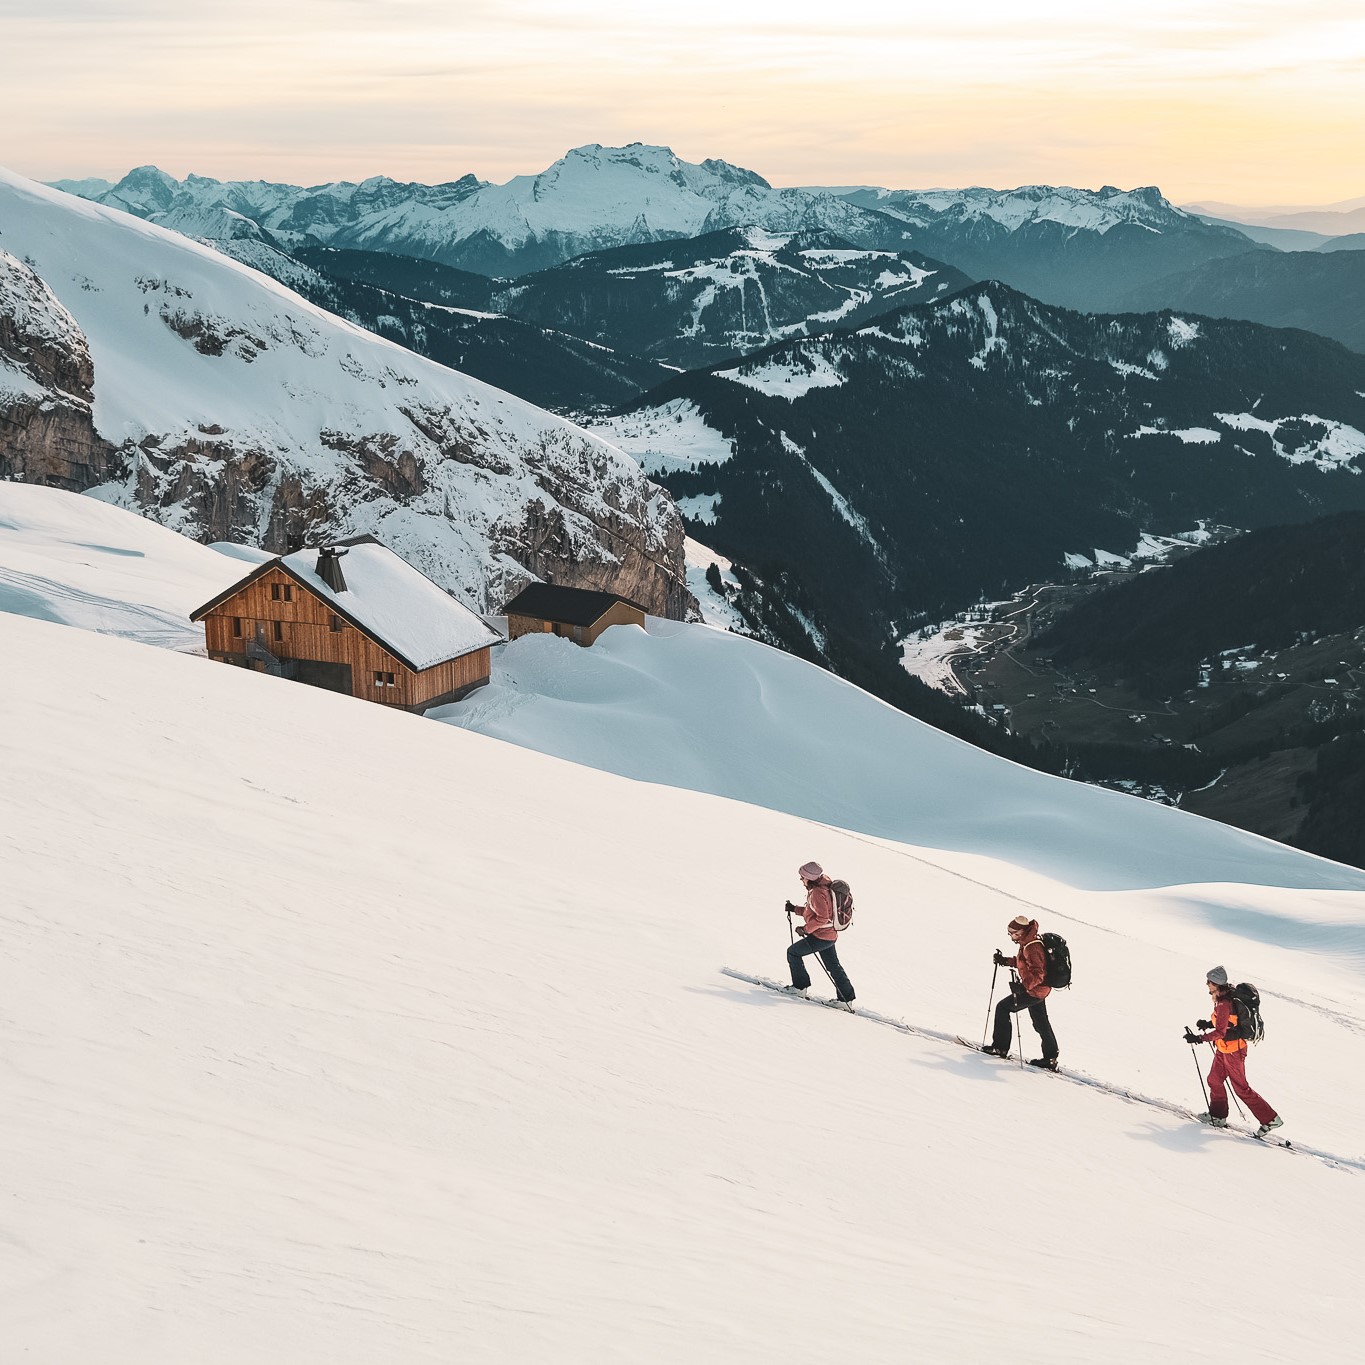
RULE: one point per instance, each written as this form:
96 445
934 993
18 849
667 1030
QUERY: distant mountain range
590 199
1346 215
960 447
1079 248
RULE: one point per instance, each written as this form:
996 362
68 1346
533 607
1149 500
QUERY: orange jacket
1225 1017
1031 964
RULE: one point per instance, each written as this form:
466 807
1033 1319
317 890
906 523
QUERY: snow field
336 1034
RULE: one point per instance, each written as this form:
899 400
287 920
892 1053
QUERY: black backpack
1247 1002
1057 971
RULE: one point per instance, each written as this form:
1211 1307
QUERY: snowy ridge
791 377
1093 211
591 198
1321 442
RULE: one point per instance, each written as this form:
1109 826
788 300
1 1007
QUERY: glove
999 958
790 908
1192 1038
801 932
1203 1023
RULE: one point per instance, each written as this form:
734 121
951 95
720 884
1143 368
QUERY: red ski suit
1229 1064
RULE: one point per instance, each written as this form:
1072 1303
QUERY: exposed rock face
47 434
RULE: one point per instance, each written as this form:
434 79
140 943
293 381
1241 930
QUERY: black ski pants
1016 1001
802 948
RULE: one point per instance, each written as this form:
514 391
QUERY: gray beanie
1217 975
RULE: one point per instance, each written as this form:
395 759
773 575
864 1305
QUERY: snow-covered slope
591 198
696 707
231 409
77 561
452 1074
297 1073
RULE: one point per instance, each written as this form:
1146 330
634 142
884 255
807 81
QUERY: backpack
1247 1000
1057 971
842 897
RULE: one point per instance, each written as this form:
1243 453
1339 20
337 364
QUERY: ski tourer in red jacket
1229 1057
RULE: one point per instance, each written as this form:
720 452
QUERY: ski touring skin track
1355 1165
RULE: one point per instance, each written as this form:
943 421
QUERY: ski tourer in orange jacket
1229 1060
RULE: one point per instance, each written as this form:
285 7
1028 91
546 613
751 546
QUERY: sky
1251 102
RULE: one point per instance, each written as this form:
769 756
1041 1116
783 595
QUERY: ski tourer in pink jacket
817 935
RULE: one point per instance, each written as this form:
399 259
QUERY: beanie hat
1019 922
1217 975
811 872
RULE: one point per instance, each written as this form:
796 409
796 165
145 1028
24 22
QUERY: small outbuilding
578 614
351 617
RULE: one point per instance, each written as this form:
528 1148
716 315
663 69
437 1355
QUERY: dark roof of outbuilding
572 606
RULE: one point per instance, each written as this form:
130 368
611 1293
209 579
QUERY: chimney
329 568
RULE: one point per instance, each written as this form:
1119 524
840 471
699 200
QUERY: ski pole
1199 1071
1018 1022
989 1003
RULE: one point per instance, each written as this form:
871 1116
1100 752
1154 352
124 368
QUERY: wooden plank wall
518 626
618 614
306 631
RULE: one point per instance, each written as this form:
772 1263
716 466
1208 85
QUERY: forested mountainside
1320 291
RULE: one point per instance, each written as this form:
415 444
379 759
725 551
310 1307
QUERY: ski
768 984
1234 1131
978 1047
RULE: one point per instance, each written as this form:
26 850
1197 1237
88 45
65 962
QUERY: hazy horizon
1256 102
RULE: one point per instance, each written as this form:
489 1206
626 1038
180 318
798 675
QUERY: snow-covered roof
399 607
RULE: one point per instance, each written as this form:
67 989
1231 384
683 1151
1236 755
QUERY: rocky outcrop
47 433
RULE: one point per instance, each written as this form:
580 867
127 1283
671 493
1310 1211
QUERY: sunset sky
1250 102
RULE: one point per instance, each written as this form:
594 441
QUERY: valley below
1243 743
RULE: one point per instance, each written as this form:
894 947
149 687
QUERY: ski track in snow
1354 1165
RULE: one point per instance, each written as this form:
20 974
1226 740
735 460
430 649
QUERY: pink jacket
819 911
1031 963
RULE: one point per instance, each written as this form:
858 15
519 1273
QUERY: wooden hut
352 617
578 614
